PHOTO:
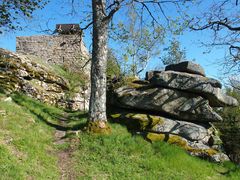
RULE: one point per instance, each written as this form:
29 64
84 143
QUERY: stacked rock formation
20 73
175 105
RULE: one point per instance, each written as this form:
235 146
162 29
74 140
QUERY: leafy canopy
174 54
11 11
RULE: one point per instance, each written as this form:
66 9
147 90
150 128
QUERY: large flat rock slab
188 130
186 66
160 124
206 87
177 104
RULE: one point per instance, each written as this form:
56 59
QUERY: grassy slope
124 156
27 149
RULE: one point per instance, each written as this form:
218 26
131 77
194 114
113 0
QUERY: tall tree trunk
97 106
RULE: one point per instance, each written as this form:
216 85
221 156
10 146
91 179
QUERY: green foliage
232 114
77 79
12 11
140 43
113 68
174 54
230 127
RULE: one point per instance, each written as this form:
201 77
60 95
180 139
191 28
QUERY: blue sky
55 12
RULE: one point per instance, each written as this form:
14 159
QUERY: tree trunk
97 121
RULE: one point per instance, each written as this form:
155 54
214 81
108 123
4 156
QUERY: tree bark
97 106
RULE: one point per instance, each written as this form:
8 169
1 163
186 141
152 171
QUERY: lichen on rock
19 73
200 151
175 107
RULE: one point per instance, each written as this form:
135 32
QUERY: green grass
76 79
27 149
126 156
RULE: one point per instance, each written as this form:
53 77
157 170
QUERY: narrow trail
65 164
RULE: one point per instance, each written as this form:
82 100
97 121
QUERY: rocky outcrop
20 73
206 87
175 106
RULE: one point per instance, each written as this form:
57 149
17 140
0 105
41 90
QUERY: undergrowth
76 79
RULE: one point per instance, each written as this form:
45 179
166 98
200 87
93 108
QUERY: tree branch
237 55
87 26
161 9
143 3
117 5
218 23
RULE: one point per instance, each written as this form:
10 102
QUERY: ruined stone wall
55 49
66 50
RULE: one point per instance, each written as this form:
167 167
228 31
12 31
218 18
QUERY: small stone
8 99
3 113
220 157
31 120
102 124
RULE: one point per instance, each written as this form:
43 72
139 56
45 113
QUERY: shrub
230 128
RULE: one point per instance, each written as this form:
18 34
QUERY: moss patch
145 120
177 140
114 116
98 127
137 121
131 82
171 139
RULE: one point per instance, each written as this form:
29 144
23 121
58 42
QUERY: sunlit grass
27 150
126 156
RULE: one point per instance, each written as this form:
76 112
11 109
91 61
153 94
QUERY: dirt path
64 155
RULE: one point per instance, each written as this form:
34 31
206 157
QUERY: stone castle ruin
64 48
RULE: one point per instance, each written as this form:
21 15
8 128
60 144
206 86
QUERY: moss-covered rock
171 139
194 149
136 121
20 73
98 127
160 124
194 138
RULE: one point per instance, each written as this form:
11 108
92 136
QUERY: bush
230 128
